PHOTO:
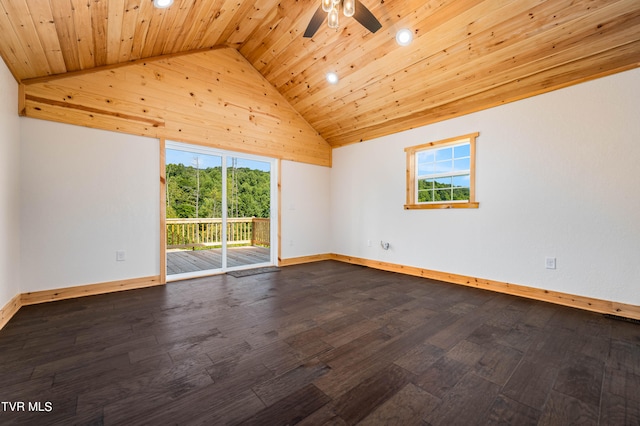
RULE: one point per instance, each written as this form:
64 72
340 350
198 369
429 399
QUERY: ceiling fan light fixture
349 7
332 77
162 4
332 19
330 10
404 37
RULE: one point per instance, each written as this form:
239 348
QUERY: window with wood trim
441 174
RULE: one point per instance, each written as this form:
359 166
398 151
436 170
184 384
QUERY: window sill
474 205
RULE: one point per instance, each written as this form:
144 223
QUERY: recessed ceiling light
404 37
161 4
332 77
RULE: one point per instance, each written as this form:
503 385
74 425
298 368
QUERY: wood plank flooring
179 262
322 343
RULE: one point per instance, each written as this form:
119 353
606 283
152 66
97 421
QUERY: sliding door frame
274 207
163 213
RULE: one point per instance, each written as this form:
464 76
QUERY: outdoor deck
180 262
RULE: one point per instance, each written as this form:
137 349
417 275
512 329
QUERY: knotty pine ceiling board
467 55
213 97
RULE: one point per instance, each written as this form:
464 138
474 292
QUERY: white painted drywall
9 187
557 175
86 194
305 214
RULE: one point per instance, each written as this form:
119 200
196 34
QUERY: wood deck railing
191 233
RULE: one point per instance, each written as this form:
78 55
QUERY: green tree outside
191 190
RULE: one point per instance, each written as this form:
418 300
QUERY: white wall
9 187
557 175
87 193
305 214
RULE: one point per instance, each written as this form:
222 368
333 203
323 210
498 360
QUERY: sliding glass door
219 207
248 212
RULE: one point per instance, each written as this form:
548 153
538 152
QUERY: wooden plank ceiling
467 54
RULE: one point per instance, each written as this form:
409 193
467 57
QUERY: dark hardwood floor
321 343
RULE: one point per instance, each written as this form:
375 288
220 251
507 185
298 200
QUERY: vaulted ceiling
467 55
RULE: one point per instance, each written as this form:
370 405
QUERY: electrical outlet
120 256
368 243
550 262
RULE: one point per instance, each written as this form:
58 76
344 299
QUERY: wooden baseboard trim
304 259
32 298
9 310
581 302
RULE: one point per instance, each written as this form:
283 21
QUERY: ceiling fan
331 10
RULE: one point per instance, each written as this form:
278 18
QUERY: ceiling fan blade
315 23
366 18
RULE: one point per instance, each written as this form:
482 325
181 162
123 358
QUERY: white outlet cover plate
550 262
